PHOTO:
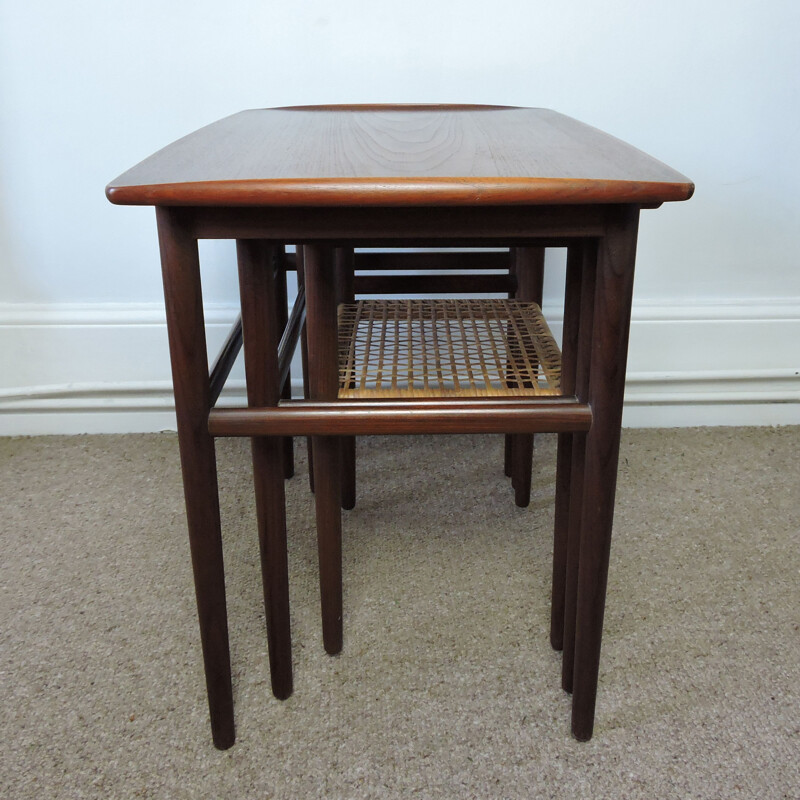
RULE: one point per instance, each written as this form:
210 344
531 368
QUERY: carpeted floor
447 686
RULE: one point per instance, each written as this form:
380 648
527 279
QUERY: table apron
409 227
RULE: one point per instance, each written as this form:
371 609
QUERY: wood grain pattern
398 156
569 356
260 333
301 283
282 315
577 460
395 260
343 264
529 272
323 177
437 259
397 419
609 355
187 345
434 284
453 226
323 384
224 361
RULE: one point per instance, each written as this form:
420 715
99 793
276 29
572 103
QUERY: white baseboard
105 368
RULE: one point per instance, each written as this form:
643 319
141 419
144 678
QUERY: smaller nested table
332 178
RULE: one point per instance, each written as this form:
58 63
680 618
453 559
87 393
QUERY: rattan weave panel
446 348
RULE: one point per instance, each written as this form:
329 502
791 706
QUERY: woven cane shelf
446 348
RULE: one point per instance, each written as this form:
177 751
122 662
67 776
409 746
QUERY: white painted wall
90 87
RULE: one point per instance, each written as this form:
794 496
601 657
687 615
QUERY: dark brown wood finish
225 360
610 331
569 350
362 419
508 439
395 260
291 333
301 280
389 176
260 329
468 226
529 273
282 313
583 355
323 384
461 261
434 284
187 344
343 264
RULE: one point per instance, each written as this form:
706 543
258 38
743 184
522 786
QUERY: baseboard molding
105 368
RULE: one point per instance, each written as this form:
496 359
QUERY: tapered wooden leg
563 484
184 304
572 559
581 262
347 447
569 347
268 471
529 269
323 376
522 466
260 331
613 296
345 293
299 260
507 454
508 447
282 311
327 479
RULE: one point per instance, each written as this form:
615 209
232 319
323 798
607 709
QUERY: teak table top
389 155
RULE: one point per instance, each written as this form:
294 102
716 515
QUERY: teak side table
332 177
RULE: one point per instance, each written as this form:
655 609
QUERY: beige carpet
447 686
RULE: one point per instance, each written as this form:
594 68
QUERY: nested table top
398 156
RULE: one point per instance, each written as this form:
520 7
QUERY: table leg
612 310
345 293
529 270
282 310
301 280
584 261
180 266
323 378
260 332
569 351
508 449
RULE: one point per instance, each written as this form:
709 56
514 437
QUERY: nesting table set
329 179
